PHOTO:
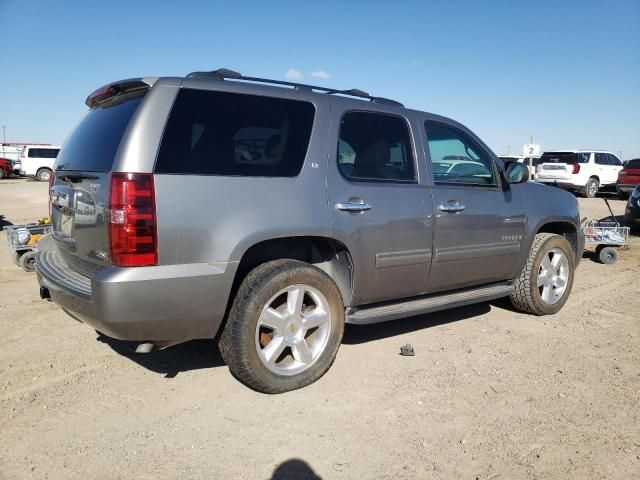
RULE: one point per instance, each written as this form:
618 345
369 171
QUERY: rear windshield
635 163
218 133
564 157
93 144
43 152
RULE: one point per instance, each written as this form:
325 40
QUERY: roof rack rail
222 73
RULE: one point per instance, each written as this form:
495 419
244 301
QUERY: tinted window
565 157
375 146
635 163
217 133
613 160
93 144
601 159
456 158
43 152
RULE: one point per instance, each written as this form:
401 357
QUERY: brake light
576 168
52 181
132 220
99 95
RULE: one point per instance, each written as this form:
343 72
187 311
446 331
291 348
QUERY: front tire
284 328
547 277
43 175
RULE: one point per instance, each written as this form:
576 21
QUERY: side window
374 146
456 158
34 153
613 160
218 133
601 159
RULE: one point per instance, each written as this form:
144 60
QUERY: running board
427 304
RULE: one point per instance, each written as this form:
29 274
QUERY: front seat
373 162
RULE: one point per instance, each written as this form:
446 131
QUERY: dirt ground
490 394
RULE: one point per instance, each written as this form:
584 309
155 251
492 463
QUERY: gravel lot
490 393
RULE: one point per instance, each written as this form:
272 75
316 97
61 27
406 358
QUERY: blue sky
567 73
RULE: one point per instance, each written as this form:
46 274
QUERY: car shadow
295 469
192 355
617 218
356 334
201 354
4 222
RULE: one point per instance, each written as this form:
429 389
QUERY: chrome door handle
452 207
353 207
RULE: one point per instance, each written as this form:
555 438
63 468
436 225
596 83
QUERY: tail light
132 220
576 168
52 181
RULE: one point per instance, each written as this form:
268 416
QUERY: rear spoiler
117 88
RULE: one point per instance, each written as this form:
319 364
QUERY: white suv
37 161
583 171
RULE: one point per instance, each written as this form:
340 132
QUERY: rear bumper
567 185
164 303
625 187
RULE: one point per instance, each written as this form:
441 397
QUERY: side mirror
516 173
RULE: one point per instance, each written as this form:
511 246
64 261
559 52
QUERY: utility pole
508 150
620 156
4 134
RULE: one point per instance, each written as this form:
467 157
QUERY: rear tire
279 303
591 188
2 174
607 255
43 175
545 282
28 261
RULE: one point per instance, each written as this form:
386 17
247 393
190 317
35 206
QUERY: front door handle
452 207
353 207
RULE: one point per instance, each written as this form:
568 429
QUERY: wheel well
595 177
327 254
43 168
566 229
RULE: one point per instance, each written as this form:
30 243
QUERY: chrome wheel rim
293 330
45 175
553 276
592 189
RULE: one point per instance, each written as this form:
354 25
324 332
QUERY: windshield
564 157
93 144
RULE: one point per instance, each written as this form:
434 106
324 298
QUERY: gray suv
271 213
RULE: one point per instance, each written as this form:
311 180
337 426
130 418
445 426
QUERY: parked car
628 178
6 168
632 210
273 216
37 161
582 171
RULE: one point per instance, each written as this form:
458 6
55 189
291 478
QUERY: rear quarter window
220 133
43 152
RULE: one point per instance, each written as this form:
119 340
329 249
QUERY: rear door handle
452 207
353 207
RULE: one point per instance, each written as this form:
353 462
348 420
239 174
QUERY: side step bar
426 304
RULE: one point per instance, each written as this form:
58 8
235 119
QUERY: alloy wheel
293 329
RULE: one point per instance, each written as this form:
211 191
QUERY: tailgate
78 214
555 170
